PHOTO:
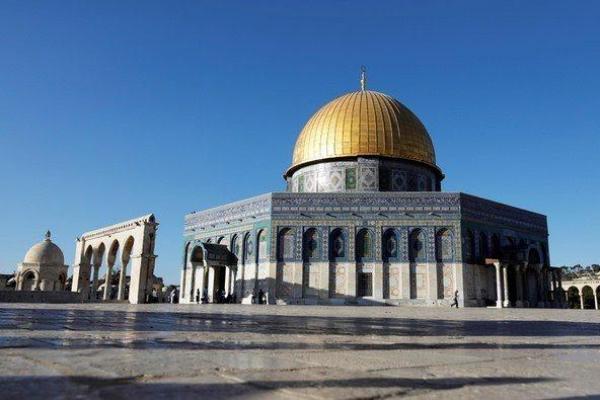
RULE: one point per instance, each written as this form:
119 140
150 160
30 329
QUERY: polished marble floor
121 351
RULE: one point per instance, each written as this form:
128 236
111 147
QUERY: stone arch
469 247
337 254
197 256
248 265
416 254
30 281
261 245
310 245
108 245
310 268
247 248
62 281
337 244
234 246
416 245
573 297
483 247
588 297
111 259
389 244
126 252
98 262
285 244
495 246
364 245
364 252
444 253
444 247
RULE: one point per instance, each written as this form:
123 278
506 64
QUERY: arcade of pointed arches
128 248
519 272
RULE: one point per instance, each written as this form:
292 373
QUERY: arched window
261 239
235 246
443 245
495 251
197 256
483 246
534 257
285 244
416 246
337 244
28 281
469 246
364 245
390 244
310 245
248 251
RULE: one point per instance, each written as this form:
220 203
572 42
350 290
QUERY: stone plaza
122 351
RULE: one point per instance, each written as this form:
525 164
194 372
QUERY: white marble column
122 279
498 285
581 298
211 283
506 302
106 295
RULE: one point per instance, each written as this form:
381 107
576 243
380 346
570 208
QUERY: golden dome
363 123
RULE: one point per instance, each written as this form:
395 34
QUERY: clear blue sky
113 109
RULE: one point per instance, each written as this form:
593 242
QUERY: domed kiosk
364 221
43 268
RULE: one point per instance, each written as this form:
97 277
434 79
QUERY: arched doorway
573 300
531 279
588 298
29 282
512 285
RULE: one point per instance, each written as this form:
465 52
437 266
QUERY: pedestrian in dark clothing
455 302
197 296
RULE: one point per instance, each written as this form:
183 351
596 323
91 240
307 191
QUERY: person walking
455 302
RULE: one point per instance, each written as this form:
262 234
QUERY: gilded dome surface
363 123
44 252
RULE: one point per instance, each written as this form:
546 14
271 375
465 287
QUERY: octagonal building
364 221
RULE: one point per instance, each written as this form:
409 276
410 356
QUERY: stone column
519 280
506 302
595 300
581 298
498 285
211 284
106 295
227 280
138 281
94 293
122 279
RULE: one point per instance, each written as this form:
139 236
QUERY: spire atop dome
47 235
363 78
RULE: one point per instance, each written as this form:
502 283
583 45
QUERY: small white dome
45 252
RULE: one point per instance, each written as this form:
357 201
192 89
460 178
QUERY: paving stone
232 351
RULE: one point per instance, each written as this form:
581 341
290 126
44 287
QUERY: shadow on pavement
33 387
142 321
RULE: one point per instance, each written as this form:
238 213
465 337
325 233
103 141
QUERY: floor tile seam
288 392
483 360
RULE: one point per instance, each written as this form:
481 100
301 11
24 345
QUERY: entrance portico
209 271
